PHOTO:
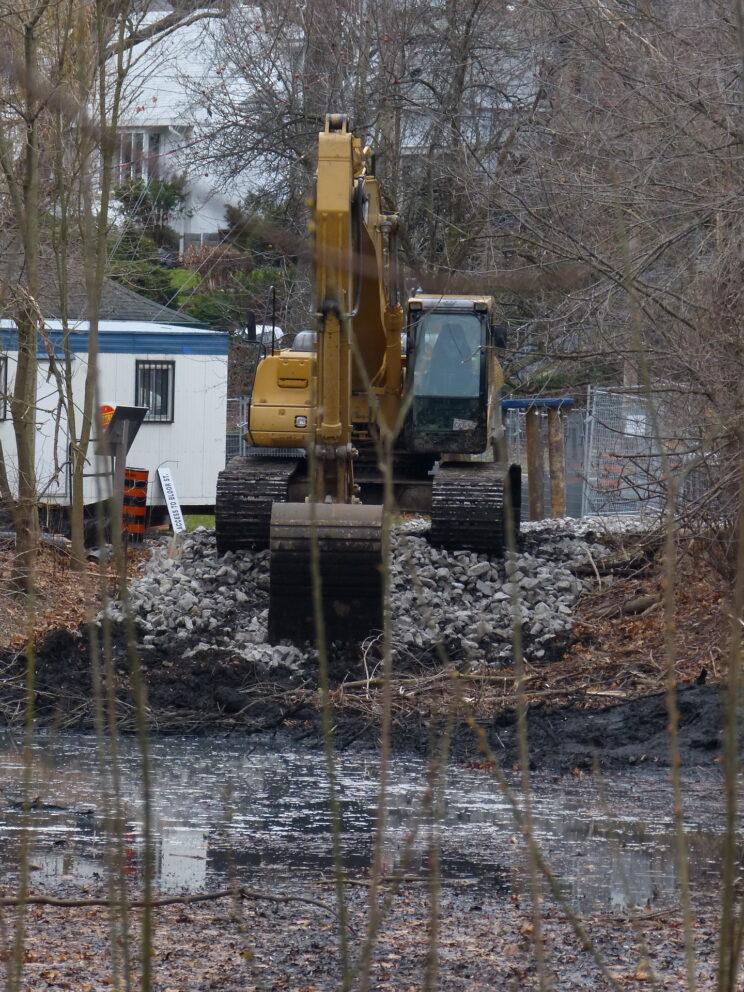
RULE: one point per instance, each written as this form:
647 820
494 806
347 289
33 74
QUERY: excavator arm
331 537
359 320
356 372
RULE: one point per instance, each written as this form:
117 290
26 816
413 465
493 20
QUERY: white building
149 356
161 117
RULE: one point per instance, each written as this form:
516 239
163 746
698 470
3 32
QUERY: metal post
273 317
120 463
588 442
535 464
557 463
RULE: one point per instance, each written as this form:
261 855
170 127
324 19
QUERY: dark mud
568 737
202 693
484 942
631 733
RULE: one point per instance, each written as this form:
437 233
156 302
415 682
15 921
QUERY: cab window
448 355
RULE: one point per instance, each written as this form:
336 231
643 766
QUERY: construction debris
454 606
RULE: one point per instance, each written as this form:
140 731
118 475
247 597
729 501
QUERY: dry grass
626 652
64 598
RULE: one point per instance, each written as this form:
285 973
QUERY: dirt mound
201 693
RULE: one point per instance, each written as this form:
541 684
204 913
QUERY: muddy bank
564 738
631 733
208 692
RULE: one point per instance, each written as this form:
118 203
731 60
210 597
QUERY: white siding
163 92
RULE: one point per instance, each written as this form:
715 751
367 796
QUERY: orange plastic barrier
135 502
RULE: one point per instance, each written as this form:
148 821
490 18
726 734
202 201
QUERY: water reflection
223 808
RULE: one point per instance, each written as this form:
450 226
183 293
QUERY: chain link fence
634 441
622 464
237 425
613 458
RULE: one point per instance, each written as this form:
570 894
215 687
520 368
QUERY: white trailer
179 372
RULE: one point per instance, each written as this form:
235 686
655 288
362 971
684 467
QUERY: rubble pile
466 602
455 604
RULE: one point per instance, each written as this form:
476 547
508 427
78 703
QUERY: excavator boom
330 540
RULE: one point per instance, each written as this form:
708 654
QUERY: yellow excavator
431 373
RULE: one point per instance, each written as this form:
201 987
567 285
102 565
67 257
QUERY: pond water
228 807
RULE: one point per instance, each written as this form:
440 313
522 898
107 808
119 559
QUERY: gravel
446 605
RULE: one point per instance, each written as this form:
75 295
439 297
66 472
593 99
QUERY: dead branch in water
240 893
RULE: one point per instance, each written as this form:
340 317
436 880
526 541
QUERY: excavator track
467 506
246 490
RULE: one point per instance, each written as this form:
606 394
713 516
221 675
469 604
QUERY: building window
138 155
154 389
4 398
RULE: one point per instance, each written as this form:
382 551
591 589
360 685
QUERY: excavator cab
449 380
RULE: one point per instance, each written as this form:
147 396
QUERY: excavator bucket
350 567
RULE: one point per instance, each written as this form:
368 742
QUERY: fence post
557 463
244 407
535 464
588 431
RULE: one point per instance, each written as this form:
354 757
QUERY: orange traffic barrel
135 502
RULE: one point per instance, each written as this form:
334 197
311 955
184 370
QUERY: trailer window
3 387
154 389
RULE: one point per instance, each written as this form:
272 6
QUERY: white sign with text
171 500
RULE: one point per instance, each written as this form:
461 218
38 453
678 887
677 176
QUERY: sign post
171 499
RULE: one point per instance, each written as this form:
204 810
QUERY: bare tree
437 90
634 176
60 99
20 156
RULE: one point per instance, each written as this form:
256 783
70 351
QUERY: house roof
120 303
117 301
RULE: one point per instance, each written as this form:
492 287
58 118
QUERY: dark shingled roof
117 301
120 303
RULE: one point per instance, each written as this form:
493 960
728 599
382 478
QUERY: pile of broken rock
453 606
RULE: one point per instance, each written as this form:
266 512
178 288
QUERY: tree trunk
94 229
23 403
7 502
23 407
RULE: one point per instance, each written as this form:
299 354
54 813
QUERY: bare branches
412 81
160 27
